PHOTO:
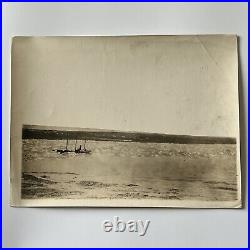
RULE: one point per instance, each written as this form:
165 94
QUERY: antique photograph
147 121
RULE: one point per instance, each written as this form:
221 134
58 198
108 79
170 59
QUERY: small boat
82 151
63 151
66 150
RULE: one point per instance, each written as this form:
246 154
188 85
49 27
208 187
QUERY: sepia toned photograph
147 121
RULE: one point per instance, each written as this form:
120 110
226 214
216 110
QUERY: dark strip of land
99 135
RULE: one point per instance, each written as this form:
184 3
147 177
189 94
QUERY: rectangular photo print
130 121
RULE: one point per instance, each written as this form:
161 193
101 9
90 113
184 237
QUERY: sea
129 170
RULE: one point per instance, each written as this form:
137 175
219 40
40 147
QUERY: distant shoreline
34 132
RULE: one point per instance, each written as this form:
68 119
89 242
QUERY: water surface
129 170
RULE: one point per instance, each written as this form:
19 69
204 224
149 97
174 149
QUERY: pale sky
164 84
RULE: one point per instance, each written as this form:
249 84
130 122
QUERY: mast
75 144
67 141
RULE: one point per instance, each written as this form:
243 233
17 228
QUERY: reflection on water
129 170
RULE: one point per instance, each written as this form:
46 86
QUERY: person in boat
79 149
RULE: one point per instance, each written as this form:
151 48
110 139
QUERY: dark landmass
52 133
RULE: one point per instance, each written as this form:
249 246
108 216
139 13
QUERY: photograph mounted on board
125 121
